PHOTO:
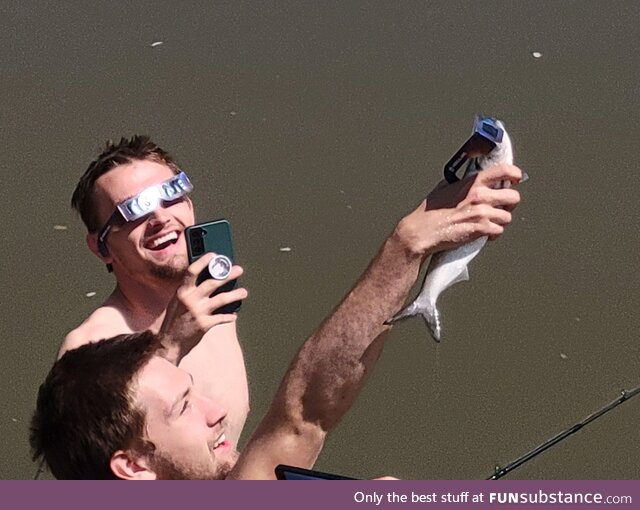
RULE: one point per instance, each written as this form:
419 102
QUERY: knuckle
481 212
475 194
516 197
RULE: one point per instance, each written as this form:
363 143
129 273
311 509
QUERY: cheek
135 234
186 213
132 233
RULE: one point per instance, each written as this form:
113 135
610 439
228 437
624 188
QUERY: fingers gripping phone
212 236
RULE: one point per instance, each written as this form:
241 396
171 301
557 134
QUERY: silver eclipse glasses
144 203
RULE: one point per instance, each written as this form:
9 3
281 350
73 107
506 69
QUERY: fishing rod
501 471
40 470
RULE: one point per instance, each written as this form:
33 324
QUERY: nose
213 412
159 216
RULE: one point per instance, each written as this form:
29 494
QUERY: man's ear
92 243
128 466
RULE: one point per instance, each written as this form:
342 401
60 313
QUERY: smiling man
134 201
133 415
189 427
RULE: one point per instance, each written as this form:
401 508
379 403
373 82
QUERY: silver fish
450 266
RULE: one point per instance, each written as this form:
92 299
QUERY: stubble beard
172 270
168 469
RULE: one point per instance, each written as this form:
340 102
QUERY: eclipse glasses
143 204
486 135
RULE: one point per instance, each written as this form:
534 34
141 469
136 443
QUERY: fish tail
430 315
405 313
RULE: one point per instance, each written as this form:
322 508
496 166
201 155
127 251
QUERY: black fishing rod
501 471
39 471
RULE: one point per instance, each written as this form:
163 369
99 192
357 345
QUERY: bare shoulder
104 322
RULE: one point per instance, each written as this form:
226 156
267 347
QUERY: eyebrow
180 398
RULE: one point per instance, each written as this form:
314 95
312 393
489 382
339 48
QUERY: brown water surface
316 126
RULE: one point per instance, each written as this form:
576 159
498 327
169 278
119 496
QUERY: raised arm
331 367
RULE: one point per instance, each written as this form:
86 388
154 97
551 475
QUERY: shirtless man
148 257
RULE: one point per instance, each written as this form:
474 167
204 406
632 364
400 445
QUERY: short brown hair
137 147
85 410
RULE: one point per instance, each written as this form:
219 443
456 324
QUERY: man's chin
171 270
166 469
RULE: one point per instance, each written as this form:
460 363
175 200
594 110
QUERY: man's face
153 245
186 428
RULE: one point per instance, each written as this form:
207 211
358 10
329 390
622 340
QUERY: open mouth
221 440
220 445
160 243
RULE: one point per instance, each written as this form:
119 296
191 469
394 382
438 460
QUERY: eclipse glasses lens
149 199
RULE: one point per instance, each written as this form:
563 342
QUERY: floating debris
342 192
156 44
90 294
285 248
563 355
577 319
349 207
14 420
233 114
537 54
59 227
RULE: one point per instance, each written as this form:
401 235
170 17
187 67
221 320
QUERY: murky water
316 126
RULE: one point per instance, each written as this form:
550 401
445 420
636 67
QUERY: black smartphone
284 472
212 236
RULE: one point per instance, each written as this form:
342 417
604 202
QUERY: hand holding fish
458 217
474 207
454 214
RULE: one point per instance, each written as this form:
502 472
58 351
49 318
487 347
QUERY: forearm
170 349
333 364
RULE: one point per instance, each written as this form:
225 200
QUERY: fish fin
462 277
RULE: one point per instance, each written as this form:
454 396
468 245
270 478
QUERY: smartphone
284 472
212 236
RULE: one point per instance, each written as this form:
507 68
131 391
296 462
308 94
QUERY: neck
144 304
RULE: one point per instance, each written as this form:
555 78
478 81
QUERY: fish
449 267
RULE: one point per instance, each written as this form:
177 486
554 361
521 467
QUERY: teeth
171 236
219 441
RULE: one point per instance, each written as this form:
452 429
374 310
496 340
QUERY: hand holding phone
213 236
195 309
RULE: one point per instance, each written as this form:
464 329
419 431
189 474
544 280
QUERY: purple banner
334 495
